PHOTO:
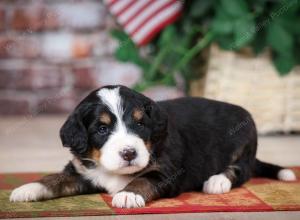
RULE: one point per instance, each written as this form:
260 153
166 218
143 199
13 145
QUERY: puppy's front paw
30 192
128 200
217 184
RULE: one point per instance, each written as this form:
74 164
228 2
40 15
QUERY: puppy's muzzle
128 154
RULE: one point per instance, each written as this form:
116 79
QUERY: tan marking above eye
105 118
137 114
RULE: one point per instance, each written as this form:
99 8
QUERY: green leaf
297 52
290 22
259 43
235 8
167 35
279 39
119 35
258 6
226 42
244 31
222 24
199 8
284 63
282 7
127 51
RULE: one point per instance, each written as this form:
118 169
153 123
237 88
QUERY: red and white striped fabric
143 19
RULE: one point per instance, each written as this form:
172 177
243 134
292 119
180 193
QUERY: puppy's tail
272 171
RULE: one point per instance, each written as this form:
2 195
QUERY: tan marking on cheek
95 154
137 114
105 118
148 145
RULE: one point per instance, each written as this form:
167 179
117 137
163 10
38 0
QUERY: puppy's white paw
128 200
30 192
217 184
286 175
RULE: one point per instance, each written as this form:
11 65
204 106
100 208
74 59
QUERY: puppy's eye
103 129
140 124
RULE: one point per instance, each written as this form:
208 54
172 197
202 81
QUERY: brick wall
53 52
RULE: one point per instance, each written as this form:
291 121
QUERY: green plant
233 24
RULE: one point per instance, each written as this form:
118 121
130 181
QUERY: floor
32 144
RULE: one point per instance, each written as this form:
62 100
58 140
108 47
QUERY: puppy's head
115 127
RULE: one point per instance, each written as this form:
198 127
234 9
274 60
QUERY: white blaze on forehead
112 99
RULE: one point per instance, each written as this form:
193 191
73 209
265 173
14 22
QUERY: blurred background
54 52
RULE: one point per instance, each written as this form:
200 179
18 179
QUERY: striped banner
143 19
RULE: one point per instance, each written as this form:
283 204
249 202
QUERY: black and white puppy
139 150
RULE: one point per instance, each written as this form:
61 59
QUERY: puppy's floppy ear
73 133
159 119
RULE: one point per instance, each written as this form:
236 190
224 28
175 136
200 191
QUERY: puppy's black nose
128 154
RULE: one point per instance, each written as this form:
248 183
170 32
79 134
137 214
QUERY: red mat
257 195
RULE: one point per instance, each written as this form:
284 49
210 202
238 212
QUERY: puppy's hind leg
233 176
237 173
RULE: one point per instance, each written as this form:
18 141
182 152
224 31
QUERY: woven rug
257 195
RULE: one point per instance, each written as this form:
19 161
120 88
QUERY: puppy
139 150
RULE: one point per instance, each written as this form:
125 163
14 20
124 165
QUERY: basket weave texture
253 83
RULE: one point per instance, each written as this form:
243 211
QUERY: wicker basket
253 83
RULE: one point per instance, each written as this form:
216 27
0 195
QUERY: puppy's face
115 127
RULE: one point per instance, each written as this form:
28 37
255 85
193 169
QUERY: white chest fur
99 177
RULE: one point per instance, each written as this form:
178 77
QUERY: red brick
2 19
110 71
103 44
44 77
19 46
81 15
60 47
81 47
51 19
81 94
31 78
57 101
9 79
16 103
107 71
110 22
57 46
6 45
28 18
84 78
